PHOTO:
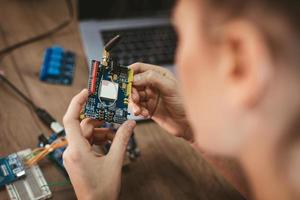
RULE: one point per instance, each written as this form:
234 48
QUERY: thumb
119 145
149 77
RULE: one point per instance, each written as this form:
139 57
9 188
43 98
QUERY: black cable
43 115
43 35
18 91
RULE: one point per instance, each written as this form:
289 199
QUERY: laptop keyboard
151 44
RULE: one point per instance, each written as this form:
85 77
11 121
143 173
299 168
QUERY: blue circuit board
58 66
11 169
109 90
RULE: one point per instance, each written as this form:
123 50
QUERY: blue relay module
11 169
109 89
58 66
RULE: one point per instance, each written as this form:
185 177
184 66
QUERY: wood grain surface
168 167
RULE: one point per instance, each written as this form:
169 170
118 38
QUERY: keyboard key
155 44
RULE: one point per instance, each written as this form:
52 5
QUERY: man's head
238 66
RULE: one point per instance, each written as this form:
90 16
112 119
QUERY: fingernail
84 90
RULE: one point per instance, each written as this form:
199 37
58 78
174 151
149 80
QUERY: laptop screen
116 9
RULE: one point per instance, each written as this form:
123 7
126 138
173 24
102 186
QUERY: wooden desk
167 169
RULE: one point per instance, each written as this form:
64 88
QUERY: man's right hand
155 95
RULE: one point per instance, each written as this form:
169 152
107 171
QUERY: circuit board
11 169
109 90
32 186
58 66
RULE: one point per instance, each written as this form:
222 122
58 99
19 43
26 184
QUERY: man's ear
246 62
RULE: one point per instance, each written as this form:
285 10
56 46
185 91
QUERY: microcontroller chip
109 90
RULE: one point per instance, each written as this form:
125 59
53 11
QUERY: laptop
144 25
147 35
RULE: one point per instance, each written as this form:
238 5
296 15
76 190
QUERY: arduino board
109 88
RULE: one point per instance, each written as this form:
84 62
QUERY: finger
151 92
87 126
135 95
154 79
145 112
119 144
143 105
152 104
144 108
102 135
71 119
159 77
143 96
135 108
143 67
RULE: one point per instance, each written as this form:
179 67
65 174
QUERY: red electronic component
94 76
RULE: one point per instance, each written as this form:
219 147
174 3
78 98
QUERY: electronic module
58 66
11 169
32 186
109 88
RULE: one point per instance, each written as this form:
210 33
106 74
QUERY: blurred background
91 9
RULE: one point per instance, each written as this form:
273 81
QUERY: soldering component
109 88
58 66
11 169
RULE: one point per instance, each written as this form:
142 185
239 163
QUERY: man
239 81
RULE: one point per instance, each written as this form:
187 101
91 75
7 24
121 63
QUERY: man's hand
155 95
93 176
